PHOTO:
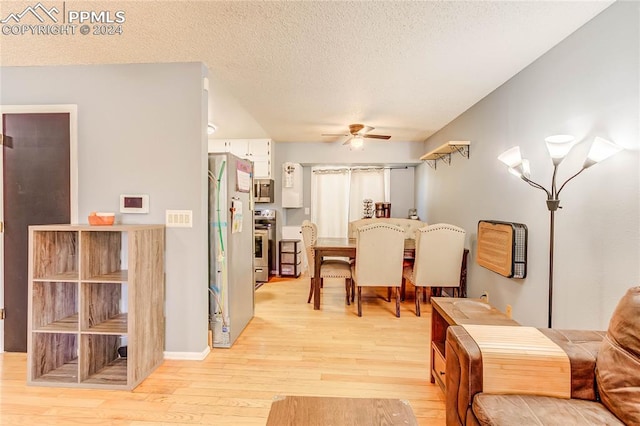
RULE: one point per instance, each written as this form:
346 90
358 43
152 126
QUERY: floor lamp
558 147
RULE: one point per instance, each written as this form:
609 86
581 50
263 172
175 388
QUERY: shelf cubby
103 308
101 255
55 306
56 257
102 365
55 358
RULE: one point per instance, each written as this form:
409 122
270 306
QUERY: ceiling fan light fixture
357 141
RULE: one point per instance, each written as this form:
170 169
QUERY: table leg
316 279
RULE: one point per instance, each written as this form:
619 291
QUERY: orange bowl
101 219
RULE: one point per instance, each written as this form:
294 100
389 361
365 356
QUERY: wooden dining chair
332 268
438 260
379 256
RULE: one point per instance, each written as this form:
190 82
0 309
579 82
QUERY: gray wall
586 86
322 153
141 129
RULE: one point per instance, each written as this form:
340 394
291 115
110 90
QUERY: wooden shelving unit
92 291
444 151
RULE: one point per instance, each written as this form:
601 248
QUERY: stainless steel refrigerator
231 247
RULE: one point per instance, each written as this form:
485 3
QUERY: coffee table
448 311
321 411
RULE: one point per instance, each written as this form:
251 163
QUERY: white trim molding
188 356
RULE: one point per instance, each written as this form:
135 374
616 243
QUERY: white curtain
337 196
366 183
330 201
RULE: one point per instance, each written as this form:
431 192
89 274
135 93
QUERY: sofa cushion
618 363
509 410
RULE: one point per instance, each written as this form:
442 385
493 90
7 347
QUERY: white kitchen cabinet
256 150
259 147
259 151
239 147
219 145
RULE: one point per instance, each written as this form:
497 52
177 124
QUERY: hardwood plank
287 349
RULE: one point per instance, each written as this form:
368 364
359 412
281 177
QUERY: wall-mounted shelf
443 152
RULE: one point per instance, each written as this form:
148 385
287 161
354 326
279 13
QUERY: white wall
588 86
141 129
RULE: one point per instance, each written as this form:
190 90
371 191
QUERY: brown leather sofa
605 378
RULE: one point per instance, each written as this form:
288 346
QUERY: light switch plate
179 219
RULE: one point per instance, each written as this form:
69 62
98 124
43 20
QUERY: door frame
72 110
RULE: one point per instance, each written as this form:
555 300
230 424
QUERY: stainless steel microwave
263 190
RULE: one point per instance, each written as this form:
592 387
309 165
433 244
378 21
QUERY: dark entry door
36 189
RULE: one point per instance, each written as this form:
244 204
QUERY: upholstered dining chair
379 256
329 268
438 260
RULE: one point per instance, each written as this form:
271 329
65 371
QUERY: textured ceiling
294 70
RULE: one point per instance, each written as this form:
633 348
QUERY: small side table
448 311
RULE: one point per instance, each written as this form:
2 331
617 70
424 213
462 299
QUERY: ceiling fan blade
347 141
365 129
335 134
377 136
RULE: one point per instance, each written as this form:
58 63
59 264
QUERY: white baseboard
188 356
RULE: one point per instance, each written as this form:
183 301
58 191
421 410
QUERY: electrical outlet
509 311
485 297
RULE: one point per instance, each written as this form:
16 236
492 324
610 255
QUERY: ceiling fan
357 133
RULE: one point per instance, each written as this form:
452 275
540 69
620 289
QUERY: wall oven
261 255
266 220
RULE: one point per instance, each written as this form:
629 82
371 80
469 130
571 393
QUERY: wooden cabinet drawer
439 365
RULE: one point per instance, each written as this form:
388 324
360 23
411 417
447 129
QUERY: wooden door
36 190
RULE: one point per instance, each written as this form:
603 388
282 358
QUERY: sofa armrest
464 368
581 346
463 376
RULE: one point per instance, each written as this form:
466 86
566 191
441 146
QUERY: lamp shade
511 157
559 146
601 149
526 168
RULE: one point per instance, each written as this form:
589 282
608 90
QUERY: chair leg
418 291
424 295
403 289
388 294
347 289
397 302
310 290
353 290
359 301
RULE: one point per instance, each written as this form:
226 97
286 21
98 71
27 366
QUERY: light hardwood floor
287 349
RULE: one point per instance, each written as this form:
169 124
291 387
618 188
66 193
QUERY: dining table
343 247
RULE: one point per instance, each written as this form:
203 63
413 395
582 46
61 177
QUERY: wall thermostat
134 203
